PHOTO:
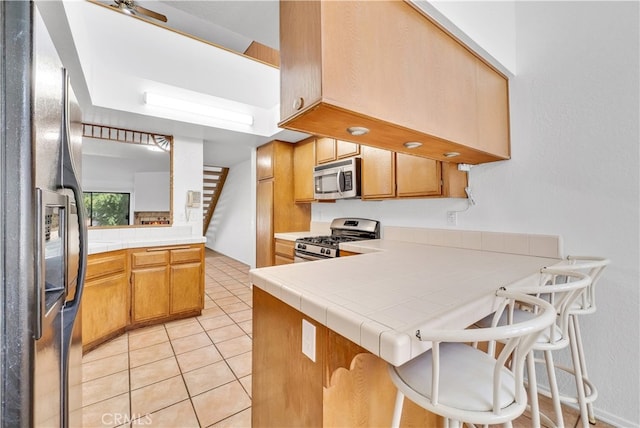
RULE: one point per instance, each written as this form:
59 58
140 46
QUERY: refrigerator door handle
39 274
71 182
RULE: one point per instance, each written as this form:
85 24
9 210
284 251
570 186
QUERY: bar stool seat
464 384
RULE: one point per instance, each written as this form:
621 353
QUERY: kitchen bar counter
378 299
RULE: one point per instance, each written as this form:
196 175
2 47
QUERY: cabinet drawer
184 255
285 248
101 265
149 258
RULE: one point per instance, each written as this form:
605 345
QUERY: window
107 208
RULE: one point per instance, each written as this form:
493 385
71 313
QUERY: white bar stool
585 304
561 288
464 384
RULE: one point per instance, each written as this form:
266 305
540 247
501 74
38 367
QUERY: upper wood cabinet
410 82
386 174
304 159
417 176
330 149
325 150
378 174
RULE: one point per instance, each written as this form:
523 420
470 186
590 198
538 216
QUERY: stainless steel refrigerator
43 228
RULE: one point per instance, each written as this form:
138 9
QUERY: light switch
309 340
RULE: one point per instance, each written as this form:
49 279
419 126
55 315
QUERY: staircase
212 183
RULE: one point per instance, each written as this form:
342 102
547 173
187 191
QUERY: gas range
342 230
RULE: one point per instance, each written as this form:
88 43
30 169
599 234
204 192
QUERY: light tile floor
194 372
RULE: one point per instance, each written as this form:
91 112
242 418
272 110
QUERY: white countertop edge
97 247
292 236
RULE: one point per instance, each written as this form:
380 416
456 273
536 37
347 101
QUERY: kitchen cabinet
166 281
150 285
187 270
276 210
285 251
330 149
378 174
386 174
125 289
417 176
411 82
105 300
304 159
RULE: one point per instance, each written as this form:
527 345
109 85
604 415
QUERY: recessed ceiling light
357 130
451 154
412 144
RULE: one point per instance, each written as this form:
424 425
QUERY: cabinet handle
298 103
186 247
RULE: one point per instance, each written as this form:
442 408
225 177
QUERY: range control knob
322 250
328 252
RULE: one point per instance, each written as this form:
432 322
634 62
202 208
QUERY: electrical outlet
309 340
452 218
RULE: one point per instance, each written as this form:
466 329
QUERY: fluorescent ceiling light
198 109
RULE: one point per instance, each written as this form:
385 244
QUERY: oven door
301 257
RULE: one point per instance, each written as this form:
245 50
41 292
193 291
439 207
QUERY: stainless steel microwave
337 180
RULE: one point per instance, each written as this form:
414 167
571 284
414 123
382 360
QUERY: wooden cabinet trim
106 264
185 255
146 258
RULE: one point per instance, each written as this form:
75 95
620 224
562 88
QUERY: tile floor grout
227 294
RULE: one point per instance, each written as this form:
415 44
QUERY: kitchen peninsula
352 315
133 282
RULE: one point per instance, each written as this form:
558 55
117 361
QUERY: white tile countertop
378 299
96 247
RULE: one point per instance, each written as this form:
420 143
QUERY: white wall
150 191
488 27
574 171
187 175
229 232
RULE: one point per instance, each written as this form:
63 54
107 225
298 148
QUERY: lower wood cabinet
150 286
105 300
187 268
127 289
285 251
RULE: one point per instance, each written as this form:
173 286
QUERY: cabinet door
304 158
186 287
149 293
378 175
106 307
325 150
264 223
300 56
417 176
345 149
264 161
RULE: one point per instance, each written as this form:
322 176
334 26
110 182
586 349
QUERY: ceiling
115 58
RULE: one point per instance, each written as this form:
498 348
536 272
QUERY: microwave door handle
339 181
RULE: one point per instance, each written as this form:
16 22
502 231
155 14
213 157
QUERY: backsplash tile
501 242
